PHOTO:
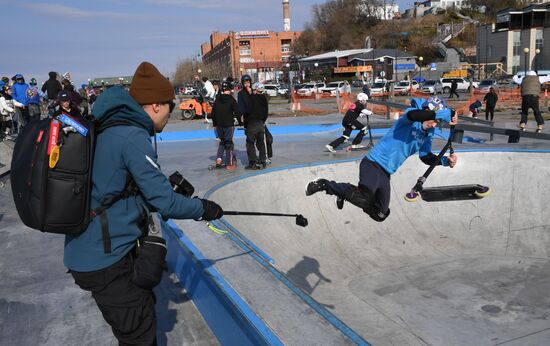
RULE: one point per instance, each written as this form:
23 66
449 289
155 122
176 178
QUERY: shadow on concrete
300 272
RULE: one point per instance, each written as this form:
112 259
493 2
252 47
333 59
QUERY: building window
244 43
516 51
244 51
285 46
539 39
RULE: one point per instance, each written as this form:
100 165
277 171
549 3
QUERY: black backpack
52 188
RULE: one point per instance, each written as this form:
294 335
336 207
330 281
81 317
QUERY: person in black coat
52 87
254 120
225 113
454 87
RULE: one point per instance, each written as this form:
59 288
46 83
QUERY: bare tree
185 72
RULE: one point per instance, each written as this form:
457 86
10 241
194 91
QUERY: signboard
352 69
401 67
433 66
246 60
254 33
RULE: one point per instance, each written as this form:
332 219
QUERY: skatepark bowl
471 272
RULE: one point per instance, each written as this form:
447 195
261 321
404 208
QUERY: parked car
273 90
283 89
485 84
403 86
334 87
432 87
378 88
311 88
463 84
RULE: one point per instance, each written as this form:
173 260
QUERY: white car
432 86
311 88
378 88
273 90
405 86
337 87
463 84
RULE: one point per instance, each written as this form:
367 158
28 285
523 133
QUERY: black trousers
269 142
372 177
353 125
531 101
453 92
255 138
225 134
489 111
129 309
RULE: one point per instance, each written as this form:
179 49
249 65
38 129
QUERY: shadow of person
170 297
300 272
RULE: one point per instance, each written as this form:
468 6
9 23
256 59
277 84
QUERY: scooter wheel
483 192
411 196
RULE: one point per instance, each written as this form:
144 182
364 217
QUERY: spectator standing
225 113
33 96
83 92
52 87
530 89
7 112
66 106
19 93
490 100
254 120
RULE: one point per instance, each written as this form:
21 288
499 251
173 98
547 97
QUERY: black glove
453 112
212 211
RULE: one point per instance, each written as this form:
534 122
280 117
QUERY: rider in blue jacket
412 133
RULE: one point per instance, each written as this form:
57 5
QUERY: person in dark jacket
490 100
52 87
225 113
351 123
454 87
69 87
66 106
106 269
530 90
254 120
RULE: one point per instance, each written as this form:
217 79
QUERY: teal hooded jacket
122 150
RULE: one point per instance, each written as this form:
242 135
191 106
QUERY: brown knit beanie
150 86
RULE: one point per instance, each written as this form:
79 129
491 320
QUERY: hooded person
225 113
52 86
412 133
102 258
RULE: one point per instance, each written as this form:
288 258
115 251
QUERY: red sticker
54 135
39 138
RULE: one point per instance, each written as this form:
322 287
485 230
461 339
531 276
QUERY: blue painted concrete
229 317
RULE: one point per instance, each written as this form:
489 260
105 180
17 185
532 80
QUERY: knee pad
360 197
377 215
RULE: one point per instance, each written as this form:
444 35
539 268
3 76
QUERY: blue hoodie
405 138
19 93
121 150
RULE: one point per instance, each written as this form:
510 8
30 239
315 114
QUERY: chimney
286 15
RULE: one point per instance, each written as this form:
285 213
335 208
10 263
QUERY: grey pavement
433 274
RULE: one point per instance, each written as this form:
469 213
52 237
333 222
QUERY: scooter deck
454 193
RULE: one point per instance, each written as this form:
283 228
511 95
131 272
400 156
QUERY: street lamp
537 52
420 65
290 92
526 51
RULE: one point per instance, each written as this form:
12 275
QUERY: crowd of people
21 103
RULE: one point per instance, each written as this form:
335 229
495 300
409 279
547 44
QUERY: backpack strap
130 189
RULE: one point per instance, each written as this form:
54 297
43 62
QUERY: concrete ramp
448 273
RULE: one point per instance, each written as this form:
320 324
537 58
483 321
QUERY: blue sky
99 38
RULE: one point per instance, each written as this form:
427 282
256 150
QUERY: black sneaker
251 165
315 186
339 202
263 165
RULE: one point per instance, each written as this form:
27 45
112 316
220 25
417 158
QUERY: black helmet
245 78
227 86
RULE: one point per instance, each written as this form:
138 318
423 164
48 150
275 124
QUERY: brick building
260 53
